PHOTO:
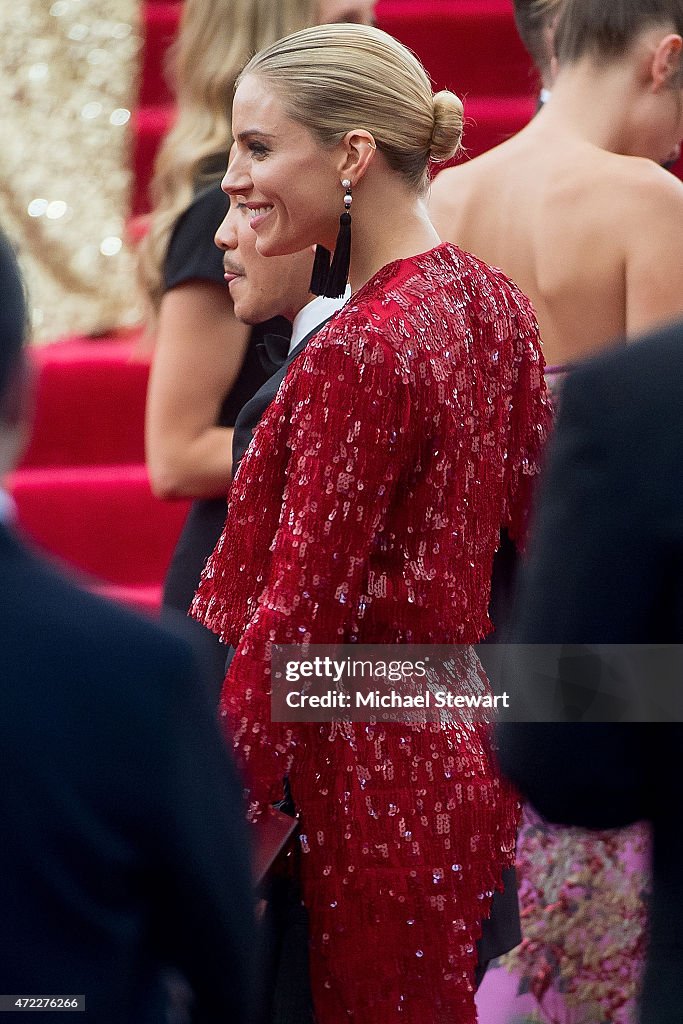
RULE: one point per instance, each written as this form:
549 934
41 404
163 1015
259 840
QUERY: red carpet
82 490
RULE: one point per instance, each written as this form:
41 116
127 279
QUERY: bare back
582 231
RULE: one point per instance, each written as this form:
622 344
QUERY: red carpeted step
90 407
150 124
470 46
102 520
160 25
136 229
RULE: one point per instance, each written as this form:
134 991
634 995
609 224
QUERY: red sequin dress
367 510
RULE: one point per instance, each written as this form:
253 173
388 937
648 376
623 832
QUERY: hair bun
448 125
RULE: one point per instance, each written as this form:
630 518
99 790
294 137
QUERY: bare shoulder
445 200
642 186
659 196
456 190
654 251
447 188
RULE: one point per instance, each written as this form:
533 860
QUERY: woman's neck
596 104
389 223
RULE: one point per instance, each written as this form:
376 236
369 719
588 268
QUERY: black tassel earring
339 270
321 270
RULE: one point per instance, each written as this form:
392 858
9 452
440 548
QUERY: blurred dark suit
123 850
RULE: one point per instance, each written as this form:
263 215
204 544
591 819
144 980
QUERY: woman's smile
258 213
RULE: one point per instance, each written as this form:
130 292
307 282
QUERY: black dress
193 256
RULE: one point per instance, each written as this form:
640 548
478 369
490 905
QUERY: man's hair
607 28
13 314
532 17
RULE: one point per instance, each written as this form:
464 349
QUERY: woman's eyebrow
251 132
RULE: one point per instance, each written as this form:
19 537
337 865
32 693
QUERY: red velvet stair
82 489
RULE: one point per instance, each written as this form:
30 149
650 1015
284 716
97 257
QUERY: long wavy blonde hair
215 41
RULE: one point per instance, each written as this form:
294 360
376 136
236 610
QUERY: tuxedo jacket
501 932
606 566
251 413
123 852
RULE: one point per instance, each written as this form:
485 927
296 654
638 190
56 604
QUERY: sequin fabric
368 509
67 91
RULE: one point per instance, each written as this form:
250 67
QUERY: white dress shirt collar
314 313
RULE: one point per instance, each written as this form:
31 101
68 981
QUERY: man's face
261 287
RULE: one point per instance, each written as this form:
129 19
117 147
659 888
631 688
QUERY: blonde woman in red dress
367 510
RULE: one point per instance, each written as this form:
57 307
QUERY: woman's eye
258 151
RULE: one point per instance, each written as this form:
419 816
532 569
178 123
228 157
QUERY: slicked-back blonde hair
334 78
215 40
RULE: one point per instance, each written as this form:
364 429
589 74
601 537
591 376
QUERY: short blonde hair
334 78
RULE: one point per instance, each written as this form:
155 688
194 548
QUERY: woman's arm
654 260
199 351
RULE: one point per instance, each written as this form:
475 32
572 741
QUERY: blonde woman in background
205 363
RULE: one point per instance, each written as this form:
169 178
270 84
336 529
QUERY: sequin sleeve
350 410
530 423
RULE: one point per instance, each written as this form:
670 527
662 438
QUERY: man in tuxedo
255 303
123 856
606 567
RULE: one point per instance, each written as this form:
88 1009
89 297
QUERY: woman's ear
666 62
358 151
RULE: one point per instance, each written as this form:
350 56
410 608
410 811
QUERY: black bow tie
273 350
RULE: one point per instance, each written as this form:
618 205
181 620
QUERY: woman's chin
275 247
